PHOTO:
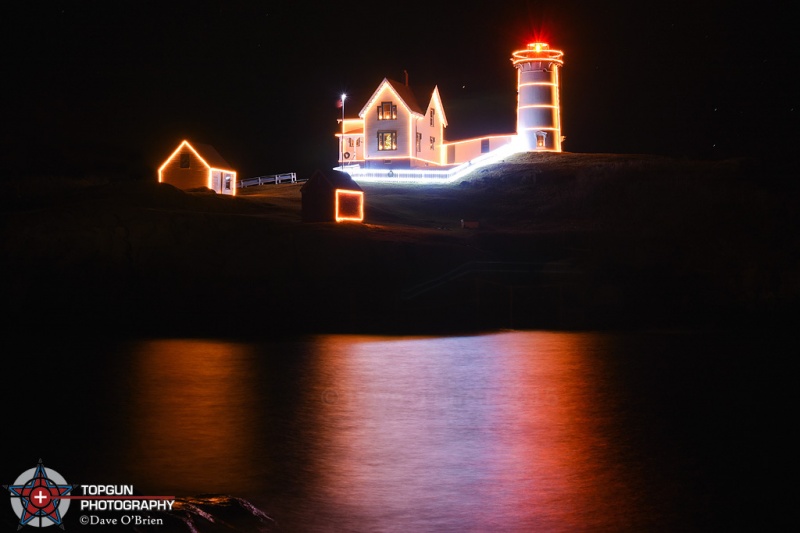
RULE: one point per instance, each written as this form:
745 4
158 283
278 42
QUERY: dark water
515 431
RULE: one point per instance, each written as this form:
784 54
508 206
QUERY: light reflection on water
516 431
194 405
506 431
476 433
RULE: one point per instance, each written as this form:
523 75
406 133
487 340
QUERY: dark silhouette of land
562 241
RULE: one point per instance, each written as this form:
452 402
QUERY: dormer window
387 111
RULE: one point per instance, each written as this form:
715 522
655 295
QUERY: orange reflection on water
193 410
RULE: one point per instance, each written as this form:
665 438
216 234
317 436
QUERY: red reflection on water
558 468
191 417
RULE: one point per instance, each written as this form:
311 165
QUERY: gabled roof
212 157
403 92
436 102
205 152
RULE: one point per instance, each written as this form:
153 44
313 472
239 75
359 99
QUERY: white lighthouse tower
538 112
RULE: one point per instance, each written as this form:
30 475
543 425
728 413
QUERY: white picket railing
288 177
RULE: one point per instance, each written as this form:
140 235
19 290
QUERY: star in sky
40 497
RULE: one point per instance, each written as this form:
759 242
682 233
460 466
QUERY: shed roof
354 131
332 179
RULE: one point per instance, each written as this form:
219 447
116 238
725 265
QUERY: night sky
110 88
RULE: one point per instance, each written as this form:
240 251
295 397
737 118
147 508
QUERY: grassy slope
656 240
646 241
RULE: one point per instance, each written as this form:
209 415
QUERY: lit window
184 160
419 142
387 111
540 139
227 182
387 140
432 115
433 142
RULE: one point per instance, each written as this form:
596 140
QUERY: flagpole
341 154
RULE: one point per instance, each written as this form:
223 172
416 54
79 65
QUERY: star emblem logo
36 497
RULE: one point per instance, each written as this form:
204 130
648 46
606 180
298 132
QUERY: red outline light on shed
350 208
